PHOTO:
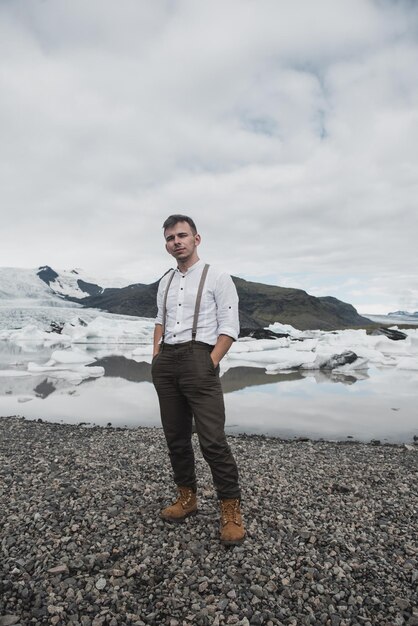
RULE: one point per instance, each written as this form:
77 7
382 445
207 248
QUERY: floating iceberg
107 330
303 350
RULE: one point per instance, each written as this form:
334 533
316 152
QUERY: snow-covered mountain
47 285
68 283
403 314
260 304
17 283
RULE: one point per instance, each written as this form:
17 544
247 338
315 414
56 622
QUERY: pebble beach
332 532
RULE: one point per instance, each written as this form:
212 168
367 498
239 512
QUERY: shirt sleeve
226 298
160 301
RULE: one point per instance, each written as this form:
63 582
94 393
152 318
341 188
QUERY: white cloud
289 131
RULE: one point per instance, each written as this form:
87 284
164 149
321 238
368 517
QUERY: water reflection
233 379
326 376
122 367
298 403
238 378
44 389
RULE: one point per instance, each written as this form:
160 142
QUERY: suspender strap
197 305
165 303
198 299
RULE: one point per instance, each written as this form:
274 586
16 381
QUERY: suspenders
197 305
170 280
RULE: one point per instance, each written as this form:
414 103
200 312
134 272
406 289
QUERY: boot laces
185 495
229 511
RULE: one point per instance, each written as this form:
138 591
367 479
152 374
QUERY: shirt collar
191 268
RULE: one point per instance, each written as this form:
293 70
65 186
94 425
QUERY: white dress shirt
218 314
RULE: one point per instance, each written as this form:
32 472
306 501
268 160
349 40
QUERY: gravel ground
332 533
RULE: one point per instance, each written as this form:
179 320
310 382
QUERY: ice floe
74 372
30 335
70 356
407 363
310 350
13 373
106 330
73 352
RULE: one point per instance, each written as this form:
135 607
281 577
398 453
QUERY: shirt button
179 304
174 335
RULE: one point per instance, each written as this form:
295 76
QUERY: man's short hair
172 220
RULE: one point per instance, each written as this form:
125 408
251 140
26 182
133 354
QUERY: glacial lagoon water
379 403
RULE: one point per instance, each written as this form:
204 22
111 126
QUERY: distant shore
332 532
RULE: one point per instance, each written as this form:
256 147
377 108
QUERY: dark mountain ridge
269 303
260 305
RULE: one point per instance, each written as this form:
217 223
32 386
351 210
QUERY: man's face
181 243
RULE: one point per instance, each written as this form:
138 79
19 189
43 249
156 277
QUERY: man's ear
197 239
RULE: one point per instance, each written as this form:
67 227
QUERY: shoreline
411 443
332 532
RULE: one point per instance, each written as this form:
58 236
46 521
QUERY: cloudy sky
288 130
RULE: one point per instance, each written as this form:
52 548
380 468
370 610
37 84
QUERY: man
196 324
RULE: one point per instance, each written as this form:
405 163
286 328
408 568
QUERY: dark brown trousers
188 386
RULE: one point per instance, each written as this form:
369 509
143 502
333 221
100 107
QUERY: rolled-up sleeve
160 301
226 298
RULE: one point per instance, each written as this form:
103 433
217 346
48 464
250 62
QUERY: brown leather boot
232 526
185 505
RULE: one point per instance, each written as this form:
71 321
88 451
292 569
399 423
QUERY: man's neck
183 267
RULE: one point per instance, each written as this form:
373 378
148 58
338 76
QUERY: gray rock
100 584
402 603
257 591
337 360
9 620
390 333
348 498
58 569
